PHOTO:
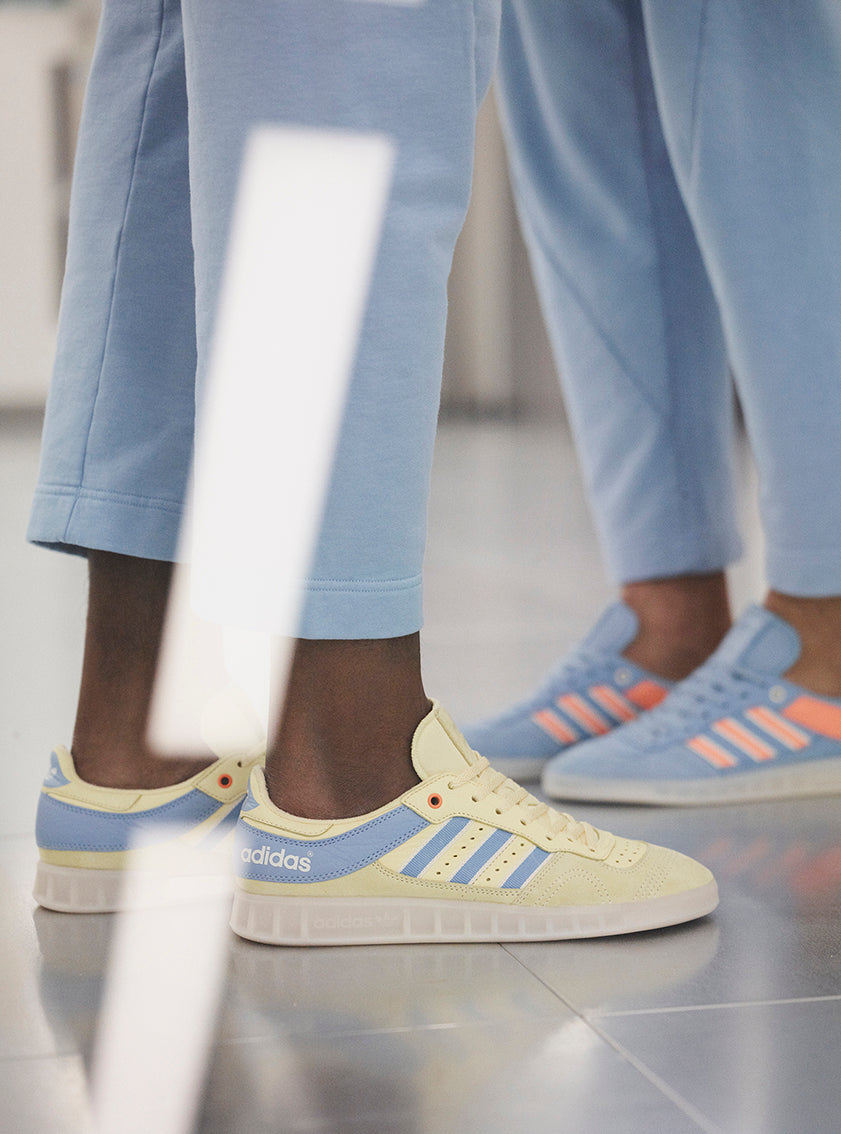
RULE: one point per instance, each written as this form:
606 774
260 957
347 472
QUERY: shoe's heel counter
243 832
49 815
42 821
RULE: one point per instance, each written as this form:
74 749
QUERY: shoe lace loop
486 781
710 690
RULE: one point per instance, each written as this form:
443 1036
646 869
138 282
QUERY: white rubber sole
818 777
68 889
384 921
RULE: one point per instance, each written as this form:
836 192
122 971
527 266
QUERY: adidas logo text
357 921
265 856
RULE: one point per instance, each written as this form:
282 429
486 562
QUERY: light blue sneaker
592 691
734 731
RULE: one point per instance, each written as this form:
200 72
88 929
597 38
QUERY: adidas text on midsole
292 920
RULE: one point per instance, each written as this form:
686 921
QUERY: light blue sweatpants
678 173
175 89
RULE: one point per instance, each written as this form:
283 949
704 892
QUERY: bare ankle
127 603
343 745
818 623
682 620
131 764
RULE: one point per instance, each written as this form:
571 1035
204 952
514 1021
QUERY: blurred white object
164 983
305 234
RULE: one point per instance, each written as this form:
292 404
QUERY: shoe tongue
438 747
762 642
613 632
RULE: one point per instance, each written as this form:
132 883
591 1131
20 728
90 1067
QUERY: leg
126 609
639 345
355 696
769 225
747 96
343 745
119 424
366 869
119 431
624 291
681 622
631 316
361 699
115 479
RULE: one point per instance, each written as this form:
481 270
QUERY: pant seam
117 257
691 542
695 106
360 585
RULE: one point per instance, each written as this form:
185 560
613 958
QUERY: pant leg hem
77 522
815 574
362 611
654 558
259 597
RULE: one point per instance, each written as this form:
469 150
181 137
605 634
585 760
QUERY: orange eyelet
435 800
225 780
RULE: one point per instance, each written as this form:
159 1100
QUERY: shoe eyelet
225 780
777 694
435 801
622 676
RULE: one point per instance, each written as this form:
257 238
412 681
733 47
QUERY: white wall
37 57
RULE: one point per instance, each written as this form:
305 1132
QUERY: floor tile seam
545 985
607 1014
690 1111
395 1030
41 1057
660 1085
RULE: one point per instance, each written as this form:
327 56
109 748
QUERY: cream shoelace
486 781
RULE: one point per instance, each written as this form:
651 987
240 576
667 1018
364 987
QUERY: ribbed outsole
817 777
69 889
382 921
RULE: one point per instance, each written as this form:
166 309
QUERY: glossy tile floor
730 1024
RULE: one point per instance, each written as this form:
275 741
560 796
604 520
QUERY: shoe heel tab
454 733
438 747
257 794
61 770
